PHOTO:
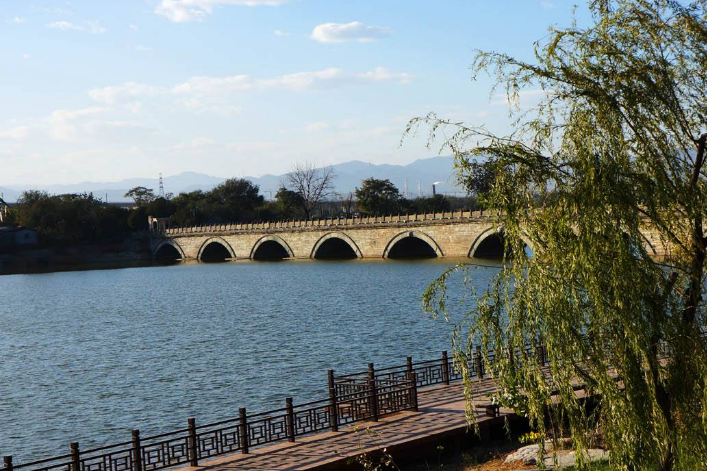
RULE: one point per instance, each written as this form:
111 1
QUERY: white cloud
133 27
196 143
51 10
198 106
205 94
131 90
383 74
547 4
93 27
316 127
18 20
19 132
184 11
254 146
64 26
143 49
277 32
200 86
63 123
300 81
25 56
347 32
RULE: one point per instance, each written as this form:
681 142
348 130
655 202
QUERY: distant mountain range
420 175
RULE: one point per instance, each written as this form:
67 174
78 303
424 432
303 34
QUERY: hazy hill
421 173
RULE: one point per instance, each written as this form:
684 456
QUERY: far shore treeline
305 194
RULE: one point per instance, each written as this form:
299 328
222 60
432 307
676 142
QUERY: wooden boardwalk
442 411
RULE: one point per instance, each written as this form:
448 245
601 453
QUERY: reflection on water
89 355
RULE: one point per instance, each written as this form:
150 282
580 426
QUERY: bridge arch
336 245
490 244
271 247
168 250
412 244
215 249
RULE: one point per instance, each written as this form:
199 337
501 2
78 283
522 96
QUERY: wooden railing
359 396
329 222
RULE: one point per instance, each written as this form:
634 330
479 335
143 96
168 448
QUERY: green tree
235 200
141 195
377 197
434 204
289 204
191 209
616 144
74 217
160 207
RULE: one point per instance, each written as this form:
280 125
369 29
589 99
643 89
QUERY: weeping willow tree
614 151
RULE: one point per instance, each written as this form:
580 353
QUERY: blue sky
104 90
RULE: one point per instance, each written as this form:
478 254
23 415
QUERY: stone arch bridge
451 234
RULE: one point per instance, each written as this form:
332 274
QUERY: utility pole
161 193
419 189
405 189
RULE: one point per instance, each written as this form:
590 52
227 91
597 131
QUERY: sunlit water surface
89 355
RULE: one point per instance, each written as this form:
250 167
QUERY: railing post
333 408
479 363
511 360
539 353
413 380
243 430
445 368
193 444
75 456
373 390
290 420
137 451
8 463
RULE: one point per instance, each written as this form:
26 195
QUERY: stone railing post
7 461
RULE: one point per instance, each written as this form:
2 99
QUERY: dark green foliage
616 146
235 200
141 195
378 197
160 207
433 204
191 209
79 218
289 204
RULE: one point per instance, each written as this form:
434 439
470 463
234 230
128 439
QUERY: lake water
89 355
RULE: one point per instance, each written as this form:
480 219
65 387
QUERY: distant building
17 237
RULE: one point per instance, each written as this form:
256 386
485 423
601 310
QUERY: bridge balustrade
326 222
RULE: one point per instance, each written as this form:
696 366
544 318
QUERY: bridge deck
442 411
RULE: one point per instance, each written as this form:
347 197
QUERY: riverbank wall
131 251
